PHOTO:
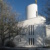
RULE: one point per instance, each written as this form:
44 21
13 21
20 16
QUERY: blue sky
20 6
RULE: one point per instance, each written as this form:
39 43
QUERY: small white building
34 30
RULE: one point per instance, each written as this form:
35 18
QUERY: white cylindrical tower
31 11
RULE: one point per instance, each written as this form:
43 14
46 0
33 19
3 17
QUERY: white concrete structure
47 39
33 32
48 31
31 11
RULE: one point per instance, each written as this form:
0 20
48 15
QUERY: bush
10 44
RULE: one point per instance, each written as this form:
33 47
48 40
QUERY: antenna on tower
1 0
36 1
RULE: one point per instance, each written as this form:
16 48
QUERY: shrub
10 44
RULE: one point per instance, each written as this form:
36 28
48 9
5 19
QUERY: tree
8 23
46 11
